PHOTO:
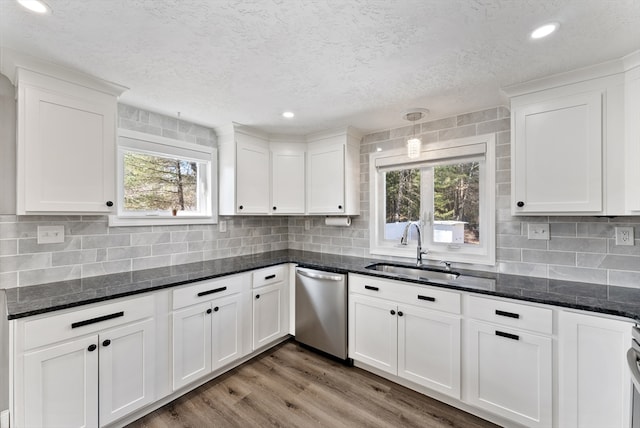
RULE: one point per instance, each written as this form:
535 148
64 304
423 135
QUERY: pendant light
414 144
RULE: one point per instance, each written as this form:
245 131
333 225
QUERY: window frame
138 142
434 154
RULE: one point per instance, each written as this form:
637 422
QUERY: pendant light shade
414 144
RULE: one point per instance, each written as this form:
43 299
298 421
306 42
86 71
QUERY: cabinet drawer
204 291
52 329
269 275
510 314
404 292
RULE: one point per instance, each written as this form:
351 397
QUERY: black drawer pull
98 319
215 290
369 287
507 314
507 335
427 298
270 276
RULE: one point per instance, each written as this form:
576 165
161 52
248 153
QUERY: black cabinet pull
216 309
215 290
269 277
97 319
520 204
507 314
209 310
109 203
427 298
91 348
393 312
241 207
400 313
370 287
274 208
339 207
106 343
507 335
257 296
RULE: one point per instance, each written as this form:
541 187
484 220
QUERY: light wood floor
290 386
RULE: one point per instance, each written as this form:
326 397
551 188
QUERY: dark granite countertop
27 301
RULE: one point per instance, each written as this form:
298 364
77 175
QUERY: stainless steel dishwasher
321 311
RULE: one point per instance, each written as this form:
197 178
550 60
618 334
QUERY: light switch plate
624 235
538 231
222 226
50 234
307 224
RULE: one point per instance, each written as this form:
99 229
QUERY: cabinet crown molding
15 63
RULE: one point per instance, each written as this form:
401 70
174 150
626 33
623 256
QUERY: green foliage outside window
154 183
402 195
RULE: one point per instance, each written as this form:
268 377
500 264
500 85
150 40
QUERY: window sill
159 221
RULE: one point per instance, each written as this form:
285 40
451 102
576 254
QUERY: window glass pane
157 183
402 201
456 203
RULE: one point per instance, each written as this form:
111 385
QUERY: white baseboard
4 419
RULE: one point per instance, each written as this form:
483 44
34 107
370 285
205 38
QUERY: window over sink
164 181
449 191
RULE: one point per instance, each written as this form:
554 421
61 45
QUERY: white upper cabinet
333 173
66 145
632 133
287 178
570 143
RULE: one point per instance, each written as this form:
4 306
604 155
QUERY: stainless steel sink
418 272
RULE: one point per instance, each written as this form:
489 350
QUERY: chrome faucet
404 241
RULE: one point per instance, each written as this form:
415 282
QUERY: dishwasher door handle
632 360
315 275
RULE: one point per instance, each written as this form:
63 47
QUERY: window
162 181
449 191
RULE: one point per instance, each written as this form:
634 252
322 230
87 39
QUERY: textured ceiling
332 62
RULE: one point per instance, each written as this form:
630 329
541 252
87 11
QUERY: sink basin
423 273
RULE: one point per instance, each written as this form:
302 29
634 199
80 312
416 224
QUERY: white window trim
463 148
155 144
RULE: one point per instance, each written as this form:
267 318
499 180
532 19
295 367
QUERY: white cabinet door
557 155
509 373
127 369
288 182
429 349
191 344
268 317
373 332
61 385
227 327
66 149
252 178
594 381
325 184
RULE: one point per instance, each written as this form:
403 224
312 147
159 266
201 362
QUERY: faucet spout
404 240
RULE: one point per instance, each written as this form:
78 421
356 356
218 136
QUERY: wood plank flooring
290 386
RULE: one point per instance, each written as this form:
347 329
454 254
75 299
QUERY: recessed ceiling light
544 30
288 114
37 6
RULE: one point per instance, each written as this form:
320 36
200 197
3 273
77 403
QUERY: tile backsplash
580 248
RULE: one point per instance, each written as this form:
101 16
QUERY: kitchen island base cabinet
594 380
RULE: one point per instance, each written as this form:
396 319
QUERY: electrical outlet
624 236
538 231
222 226
307 224
50 234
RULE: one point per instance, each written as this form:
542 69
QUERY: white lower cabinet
88 368
509 360
418 344
270 305
209 334
594 381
